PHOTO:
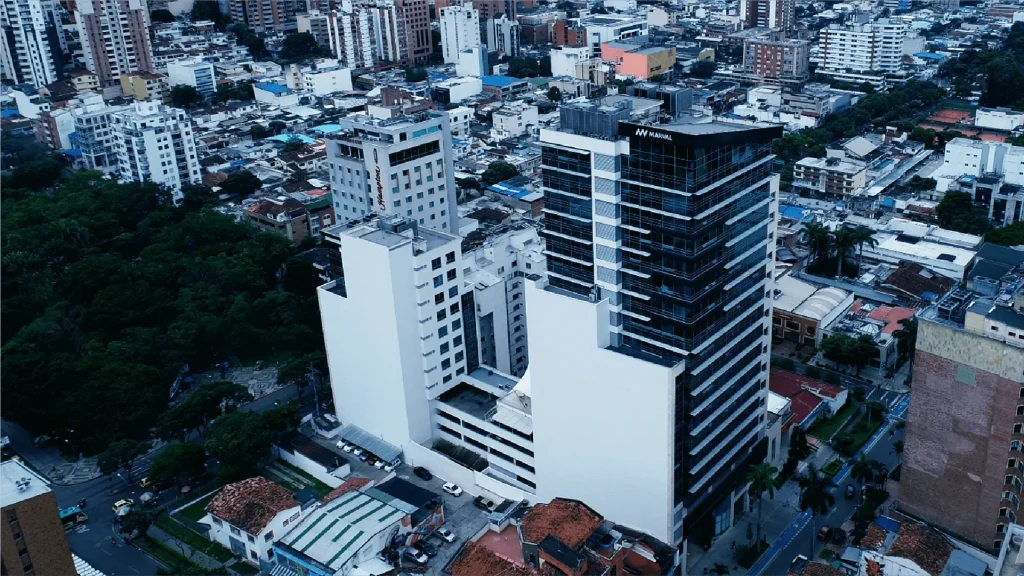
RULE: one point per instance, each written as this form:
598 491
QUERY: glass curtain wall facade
677 235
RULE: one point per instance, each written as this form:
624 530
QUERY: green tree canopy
209 11
703 69
849 351
241 440
499 171
176 462
121 455
161 15
554 94
415 74
957 212
523 68
241 183
302 45
234 91
185 96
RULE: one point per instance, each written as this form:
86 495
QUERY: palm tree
762 479
818 240
815 496
863 235
906 339
843 240
863 470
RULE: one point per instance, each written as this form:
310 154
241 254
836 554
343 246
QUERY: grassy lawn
244 568
859 434
171 558
833 467
196 541
824 429
196 511
317 486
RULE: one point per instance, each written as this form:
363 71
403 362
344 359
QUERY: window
439 297
444 348
419 195
442 331
235 531
1014 444
457 341
1003 512
438 280
253 554
447 378
268 536
436 263
446 364
1011 463
1018 428
252 540
397 203
1020 410
453 291
217 521
408 199
456 325
450 257
452 274
1008 479
441 315
454 308
460 371
459 356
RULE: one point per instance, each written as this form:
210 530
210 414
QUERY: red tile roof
873 538
251 504
820 569
802 405
790 381
570 521
350 485
891 316
476 559
924 546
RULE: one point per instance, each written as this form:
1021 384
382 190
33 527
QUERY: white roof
923 249
860 146
777 403
821 304
791 293
18 483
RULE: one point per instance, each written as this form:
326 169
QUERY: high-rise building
963 466
653 322
460 30
96 136
775 14
414 21
490 9
503 36
267 15
115 37
30 48
871 47
400 166
154 143
348 32
771 59
32 539
199 75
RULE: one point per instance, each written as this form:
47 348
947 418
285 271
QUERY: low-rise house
247 517
281 215
801 310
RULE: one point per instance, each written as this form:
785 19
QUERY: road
797 538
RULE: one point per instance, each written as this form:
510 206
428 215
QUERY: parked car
390 466
423 473
483 503
122 503
850 492
452 488
348 447
357 451
825 533
378 464
445 534
363 457
425 547
416 556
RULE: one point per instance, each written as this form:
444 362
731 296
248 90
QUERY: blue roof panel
498 81
273 88
507 190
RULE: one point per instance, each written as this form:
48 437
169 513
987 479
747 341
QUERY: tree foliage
121 455
241 183
234 91
849 351
703 69
554 94
1010 235
210 11
161 15
109 290
498 171
415 74
241 440
524 68
185 96
244 37
957 212
177 462
303 45
196 412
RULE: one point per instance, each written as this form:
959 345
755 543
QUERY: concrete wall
332 478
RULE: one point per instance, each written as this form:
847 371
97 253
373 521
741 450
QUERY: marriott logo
645 133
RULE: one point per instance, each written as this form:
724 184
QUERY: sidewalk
185 550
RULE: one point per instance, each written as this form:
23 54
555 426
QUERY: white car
452 488
446 534
357 452
347 447
378 464
415 555
389 467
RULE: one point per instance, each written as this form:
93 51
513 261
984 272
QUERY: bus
72 517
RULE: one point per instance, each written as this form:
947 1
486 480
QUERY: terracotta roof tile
873 568
891 316
350 485
570 521
251 504
922 544
874 537
476 559
820 569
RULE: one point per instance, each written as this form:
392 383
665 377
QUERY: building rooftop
499 81
832 165
804 299
469 399
923 545
570 521
273 88
351 484
393 232
476 559
18 483
251 504
891 316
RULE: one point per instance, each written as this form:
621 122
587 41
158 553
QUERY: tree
176 462
122 455
161 15
813 372
244 37
762 479
863 470
703 69
469 183
299 175
815 496
209 11
196 412
818 240
258 131
185 96
136 522
227 91
957 212
37 172
293 144
874 410
195 197
906 340
242 183
863 235
897 447
241 440
499 171
554 94
276 126
1010 235
523 68
918 183
843 240
416 75
544 66
849 351
301 45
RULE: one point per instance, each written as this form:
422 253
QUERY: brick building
963 467
566 35
32 539
777 59
282 215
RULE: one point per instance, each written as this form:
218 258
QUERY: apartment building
350 33
145 86
514 119
460 31
314 23
773 60
610 28
411 28
399 166
963 467
774 14
496 271
115 37
491 9
566 59
459 119
266 15
198 75
154 143
503 36
96 137
32 539
964 156
653 322
30 48
870 47
835 177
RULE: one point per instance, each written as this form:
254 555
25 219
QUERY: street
796 540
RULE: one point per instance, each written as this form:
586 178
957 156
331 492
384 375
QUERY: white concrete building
503 36
496 271
251 536
459 119
513 119
611 27
96 136
394 319
1003 119
460 31
978 157
874 47
199 75
565 59
323 81
154 143
458 89
402 166
30 49
472 62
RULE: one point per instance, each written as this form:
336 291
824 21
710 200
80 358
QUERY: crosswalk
888 398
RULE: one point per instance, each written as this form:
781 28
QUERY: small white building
565 59
199 75
459 89
459 119
247 517
154 143
513 119
275 94
1003 119
324 81
472 62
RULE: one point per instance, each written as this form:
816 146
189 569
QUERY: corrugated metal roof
372 444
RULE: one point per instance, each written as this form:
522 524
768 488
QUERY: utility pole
313 377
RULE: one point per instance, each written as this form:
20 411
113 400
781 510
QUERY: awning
385 451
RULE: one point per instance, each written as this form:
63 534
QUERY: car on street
122 503
483 503
445 534
415 555
426 547
825 533
348 447
452 488
363 457
850 492
423 473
